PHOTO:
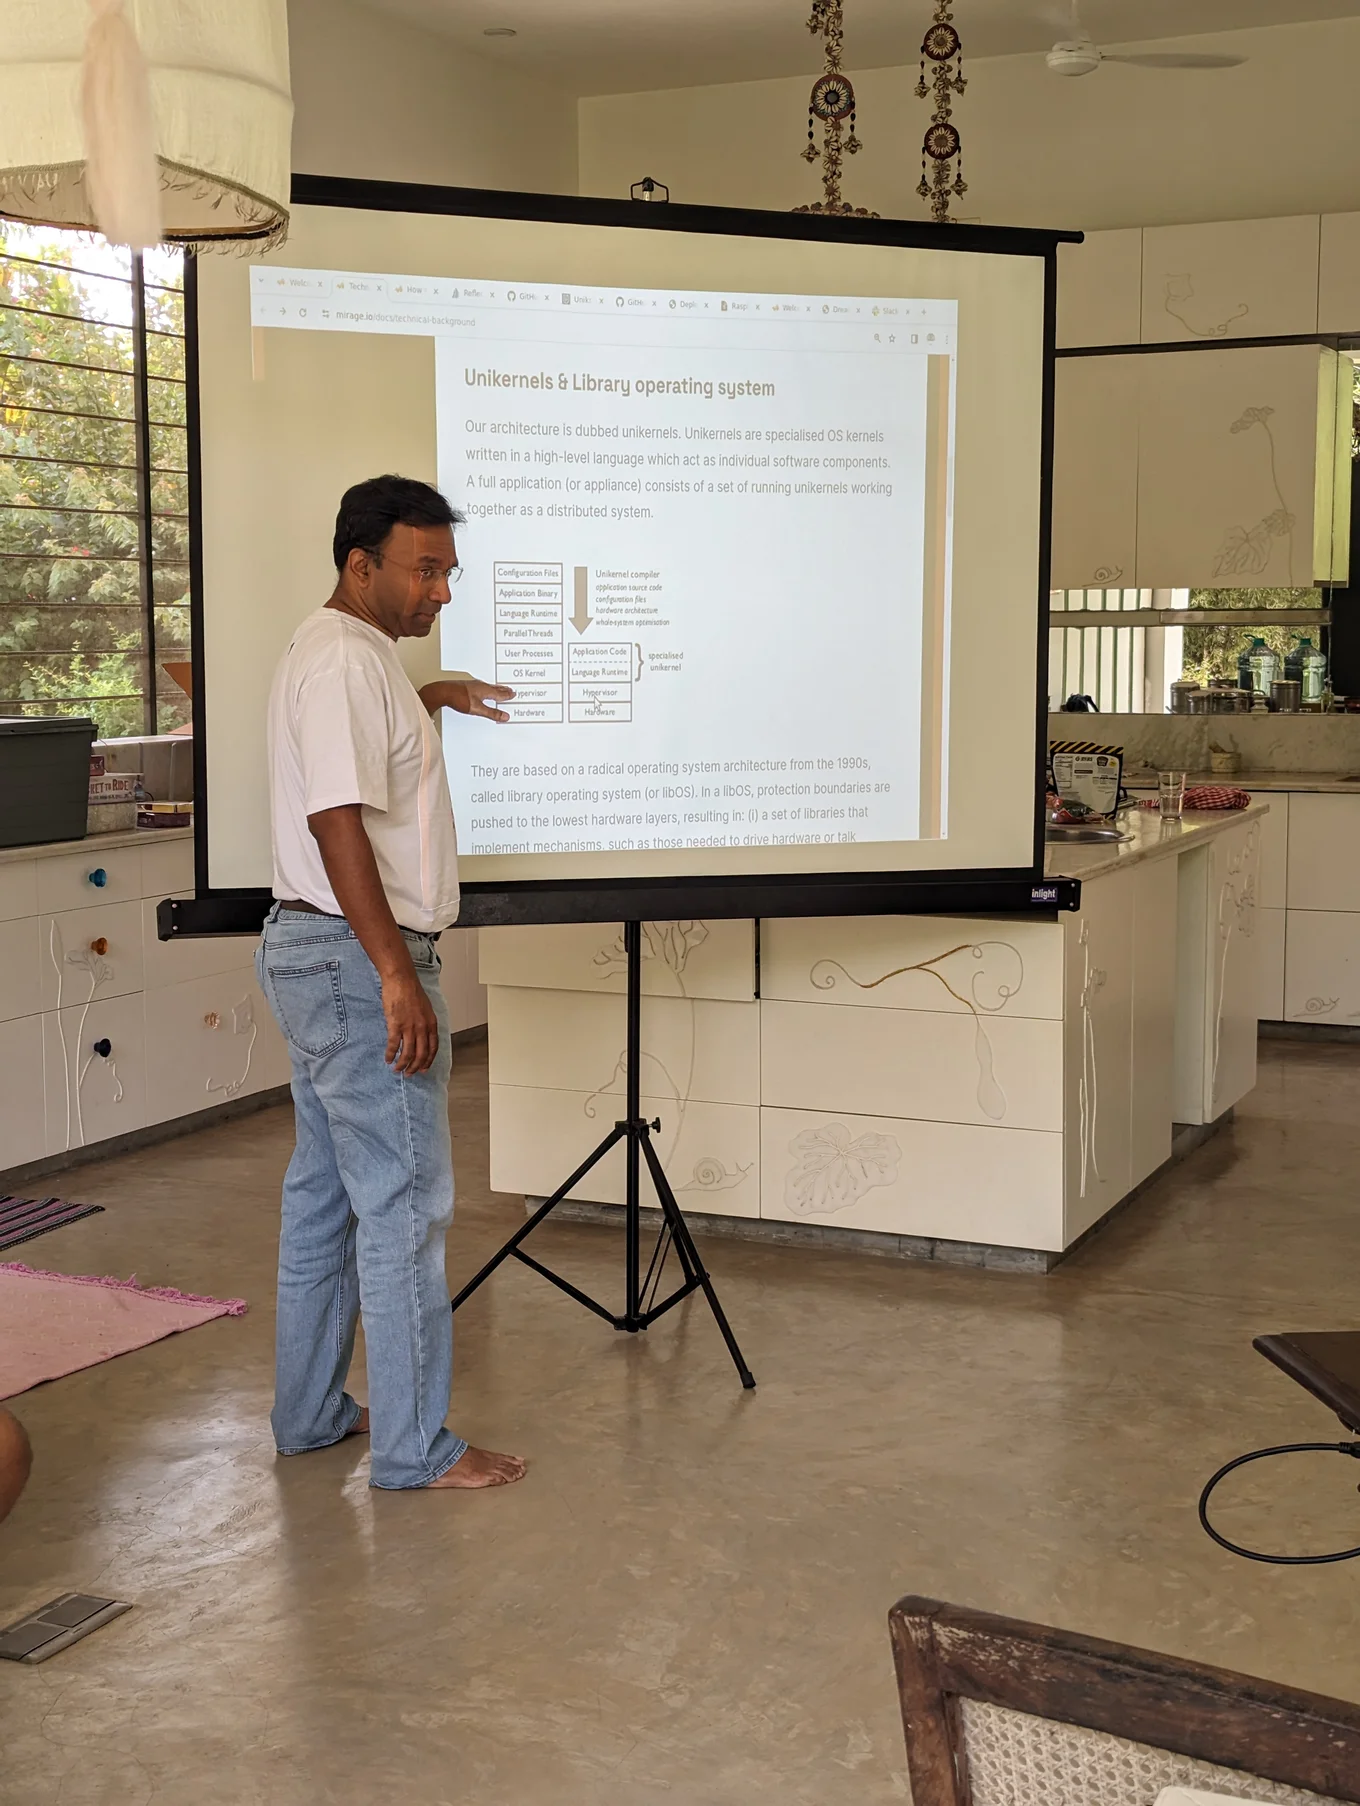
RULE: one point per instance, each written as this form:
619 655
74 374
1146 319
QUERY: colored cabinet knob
98 877
103 1048
99 945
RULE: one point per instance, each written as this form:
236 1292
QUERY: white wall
1120 147
378 98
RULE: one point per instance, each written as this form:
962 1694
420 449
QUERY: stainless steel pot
1287 695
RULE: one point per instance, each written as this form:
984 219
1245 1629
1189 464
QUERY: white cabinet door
20 972
1235 865
167 868
1232 279
90 953
679 959
912 1063
1097 1053
1270 945
709 1152
1275 848
1339 274
464 992
954 964
1324 852
1218 974
693 1049
77 880
1322 967
1153 1016
998 1187
175 962
209 1040
18 888
1095 472
1238 468
1100 289
92 1095
23 1123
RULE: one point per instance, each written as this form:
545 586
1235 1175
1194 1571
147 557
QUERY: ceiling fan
1078 54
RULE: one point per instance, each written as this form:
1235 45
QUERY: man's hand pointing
469 696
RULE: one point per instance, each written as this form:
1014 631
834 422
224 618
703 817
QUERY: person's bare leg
477 1468
16 1461
360 1425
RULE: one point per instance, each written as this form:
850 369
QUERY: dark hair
370 510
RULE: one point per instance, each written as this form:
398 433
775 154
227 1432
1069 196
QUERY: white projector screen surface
753 533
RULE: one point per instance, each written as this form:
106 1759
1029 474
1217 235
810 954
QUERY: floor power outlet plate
56 1625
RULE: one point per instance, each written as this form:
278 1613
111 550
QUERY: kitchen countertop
1318 782
95 844
1150 838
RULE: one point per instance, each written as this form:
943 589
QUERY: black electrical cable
1284 1448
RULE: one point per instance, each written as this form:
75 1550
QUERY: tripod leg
616 1134
684 1242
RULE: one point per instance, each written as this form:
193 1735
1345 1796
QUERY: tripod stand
640 1309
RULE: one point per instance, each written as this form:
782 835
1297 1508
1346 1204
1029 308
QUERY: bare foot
478 1468
359 1426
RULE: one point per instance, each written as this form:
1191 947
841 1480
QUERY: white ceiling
623 46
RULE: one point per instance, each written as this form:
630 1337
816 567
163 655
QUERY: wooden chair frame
945 1653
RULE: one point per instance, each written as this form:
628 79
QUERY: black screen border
985 891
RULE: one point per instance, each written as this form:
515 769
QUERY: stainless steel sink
1075 833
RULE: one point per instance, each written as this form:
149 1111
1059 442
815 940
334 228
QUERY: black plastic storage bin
44 778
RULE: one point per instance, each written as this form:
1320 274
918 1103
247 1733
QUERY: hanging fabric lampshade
94 90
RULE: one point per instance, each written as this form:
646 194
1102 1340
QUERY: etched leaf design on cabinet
834 1171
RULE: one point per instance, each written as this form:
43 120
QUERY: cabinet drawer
175 962
567 1041
1322 967
23 1135
70 881
912 1064
208 1040
679 959
167 867
91 1098
1236 279
20 971
710 1152
935 963
949 1180
18 888
1324 852
1100 290
74 967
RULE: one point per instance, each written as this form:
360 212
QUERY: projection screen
757 532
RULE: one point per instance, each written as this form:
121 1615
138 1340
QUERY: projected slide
709 547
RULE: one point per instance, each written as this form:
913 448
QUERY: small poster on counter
1086 777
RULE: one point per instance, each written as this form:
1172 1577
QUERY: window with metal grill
94 515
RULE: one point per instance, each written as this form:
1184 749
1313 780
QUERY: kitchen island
973 1089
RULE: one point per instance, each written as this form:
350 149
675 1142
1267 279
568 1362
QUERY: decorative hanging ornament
163 120
832 105
941 148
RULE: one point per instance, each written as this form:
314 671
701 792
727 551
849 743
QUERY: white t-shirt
347 726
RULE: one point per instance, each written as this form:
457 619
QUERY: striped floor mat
23 1218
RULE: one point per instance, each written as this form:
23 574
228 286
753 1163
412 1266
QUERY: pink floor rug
56 1323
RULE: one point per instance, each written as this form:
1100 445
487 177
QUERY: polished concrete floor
685 1600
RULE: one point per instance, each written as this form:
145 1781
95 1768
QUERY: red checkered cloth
1209 796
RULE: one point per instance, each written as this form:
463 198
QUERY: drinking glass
1171 790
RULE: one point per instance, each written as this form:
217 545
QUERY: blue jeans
367 1202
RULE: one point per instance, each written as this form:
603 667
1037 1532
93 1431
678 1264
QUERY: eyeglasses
425 573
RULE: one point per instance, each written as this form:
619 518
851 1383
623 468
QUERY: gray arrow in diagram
580 614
